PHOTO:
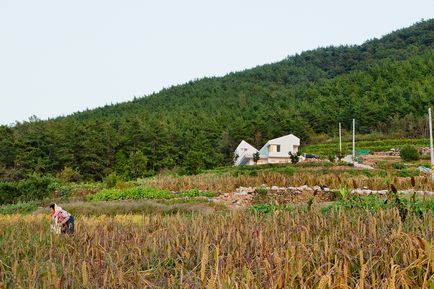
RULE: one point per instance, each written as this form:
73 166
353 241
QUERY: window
274 148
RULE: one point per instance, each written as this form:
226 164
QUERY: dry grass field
299 249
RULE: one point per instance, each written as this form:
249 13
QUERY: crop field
179 231
297 249
324 149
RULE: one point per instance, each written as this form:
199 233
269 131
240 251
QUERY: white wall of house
281 146
274 151
245 148
245 153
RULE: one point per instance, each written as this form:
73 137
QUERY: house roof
243 143
279 139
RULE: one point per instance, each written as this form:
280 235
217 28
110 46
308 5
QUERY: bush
409 153
20 208
69 175
33 188
262 192
407 173
111 180
36 188
8 193
294 157
289 171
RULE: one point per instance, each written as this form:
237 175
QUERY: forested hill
387 84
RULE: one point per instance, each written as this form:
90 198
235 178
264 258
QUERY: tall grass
355 249
331 178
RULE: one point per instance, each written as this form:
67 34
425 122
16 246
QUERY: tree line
386 84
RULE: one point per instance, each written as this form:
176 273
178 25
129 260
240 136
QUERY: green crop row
144 193
19 208
379 145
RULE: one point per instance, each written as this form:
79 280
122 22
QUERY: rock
244 193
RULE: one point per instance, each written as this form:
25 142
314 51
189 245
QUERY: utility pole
431 143
340 139
354 140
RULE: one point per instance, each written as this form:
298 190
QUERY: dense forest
386 84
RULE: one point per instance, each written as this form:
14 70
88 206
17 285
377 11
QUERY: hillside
386 83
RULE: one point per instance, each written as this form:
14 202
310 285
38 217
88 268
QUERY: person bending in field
63 219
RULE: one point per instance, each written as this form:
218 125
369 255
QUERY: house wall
245 148
272 160
289 143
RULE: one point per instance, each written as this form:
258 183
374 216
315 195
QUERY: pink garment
60 214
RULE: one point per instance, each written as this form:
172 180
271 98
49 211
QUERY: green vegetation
269 208
19 208
375 203
32 188
144 193
409 153
325 149
385 83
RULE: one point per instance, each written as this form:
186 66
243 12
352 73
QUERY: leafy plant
409 153
344 193
19 208
69 174
294 157
256 157
262 192
144 193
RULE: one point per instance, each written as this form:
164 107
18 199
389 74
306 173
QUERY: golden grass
354 249
228 183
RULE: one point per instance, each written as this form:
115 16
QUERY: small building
274 151
243 154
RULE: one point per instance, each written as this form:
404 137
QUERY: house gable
281 146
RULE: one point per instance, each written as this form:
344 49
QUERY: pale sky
58 56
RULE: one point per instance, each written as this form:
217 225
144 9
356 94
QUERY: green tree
256 157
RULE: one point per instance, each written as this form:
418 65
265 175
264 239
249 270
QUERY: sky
58 57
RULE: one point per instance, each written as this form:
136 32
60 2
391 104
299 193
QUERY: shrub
409 153
331 157
294 157
36 187
407 173
8 193
69 175
20 208
289 171
111 180
262 192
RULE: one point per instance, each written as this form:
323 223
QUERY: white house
243 154
274 151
